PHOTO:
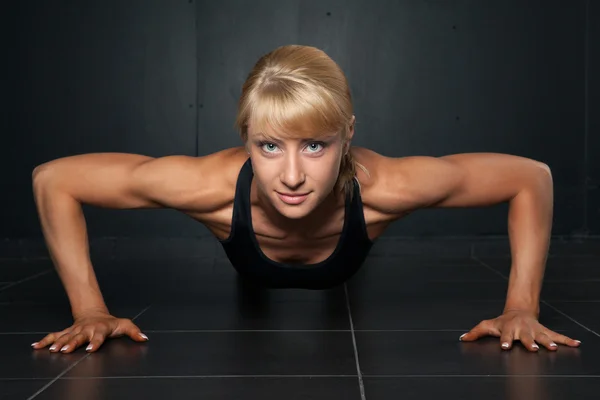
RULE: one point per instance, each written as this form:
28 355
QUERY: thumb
134 333
481 330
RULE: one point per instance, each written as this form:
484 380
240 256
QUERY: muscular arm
110 180
484 179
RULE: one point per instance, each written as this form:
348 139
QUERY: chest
307 247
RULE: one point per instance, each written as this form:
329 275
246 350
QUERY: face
295 176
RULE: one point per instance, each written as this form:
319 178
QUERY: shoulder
204 184
396 186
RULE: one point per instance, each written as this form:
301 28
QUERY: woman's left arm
485 179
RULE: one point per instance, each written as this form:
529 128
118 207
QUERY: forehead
269 132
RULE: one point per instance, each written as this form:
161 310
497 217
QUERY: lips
292 198
293 194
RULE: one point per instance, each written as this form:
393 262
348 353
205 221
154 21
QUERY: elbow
545 168
540 178
546 173
41 175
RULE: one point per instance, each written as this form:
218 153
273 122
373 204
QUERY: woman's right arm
108 180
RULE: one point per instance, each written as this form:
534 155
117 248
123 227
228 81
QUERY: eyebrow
259 136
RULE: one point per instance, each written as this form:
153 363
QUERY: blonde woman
296 206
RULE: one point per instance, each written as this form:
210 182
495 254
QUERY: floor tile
586 313
559 283
425 314
165 248
29 363
44 318
44 289
121 281
344 388
16 270
489 388
38 249
458 270
223 353
556 291
401 246
247 312
15 389
434 283
558 268
213 335
558 247
440 353
9 249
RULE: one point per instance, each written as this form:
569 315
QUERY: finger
61 341
74 342
484 328
562 339
506 340
96 341
545 340
48 339
135 333
528 341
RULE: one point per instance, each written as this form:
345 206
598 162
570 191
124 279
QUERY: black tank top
247 258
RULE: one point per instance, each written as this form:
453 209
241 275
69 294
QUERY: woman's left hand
519 325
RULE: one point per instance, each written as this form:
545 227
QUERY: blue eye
262 144
269 147
315 144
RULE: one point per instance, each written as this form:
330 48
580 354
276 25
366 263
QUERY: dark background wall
428 78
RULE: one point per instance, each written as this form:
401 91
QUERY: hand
93 327
519 325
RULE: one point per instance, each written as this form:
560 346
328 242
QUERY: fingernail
65 348
144 336
552 344
33 344
462 336
505 345
89 347
578 341
53 348
535 346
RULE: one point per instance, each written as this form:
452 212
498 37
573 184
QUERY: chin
293 211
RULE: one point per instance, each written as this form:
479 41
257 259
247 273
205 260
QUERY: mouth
292 198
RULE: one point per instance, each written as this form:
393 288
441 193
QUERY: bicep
486 179
458 180
127 181
97 179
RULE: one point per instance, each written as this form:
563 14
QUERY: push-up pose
297 206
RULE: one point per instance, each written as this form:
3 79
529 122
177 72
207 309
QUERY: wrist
89 310
534 311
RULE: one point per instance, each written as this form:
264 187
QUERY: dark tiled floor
213 337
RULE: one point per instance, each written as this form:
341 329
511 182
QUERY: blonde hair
300 92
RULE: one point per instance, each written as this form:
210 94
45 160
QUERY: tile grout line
12 284
141 312
273 330
310 376
541 300
359 373
572 319
46 386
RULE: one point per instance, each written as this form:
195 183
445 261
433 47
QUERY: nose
292 174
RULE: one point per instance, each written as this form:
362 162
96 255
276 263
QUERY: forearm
63 225
529 228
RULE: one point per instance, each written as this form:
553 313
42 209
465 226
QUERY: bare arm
109 180
485 179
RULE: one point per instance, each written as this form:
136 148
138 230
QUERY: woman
296 206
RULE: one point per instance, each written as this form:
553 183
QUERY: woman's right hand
92 327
